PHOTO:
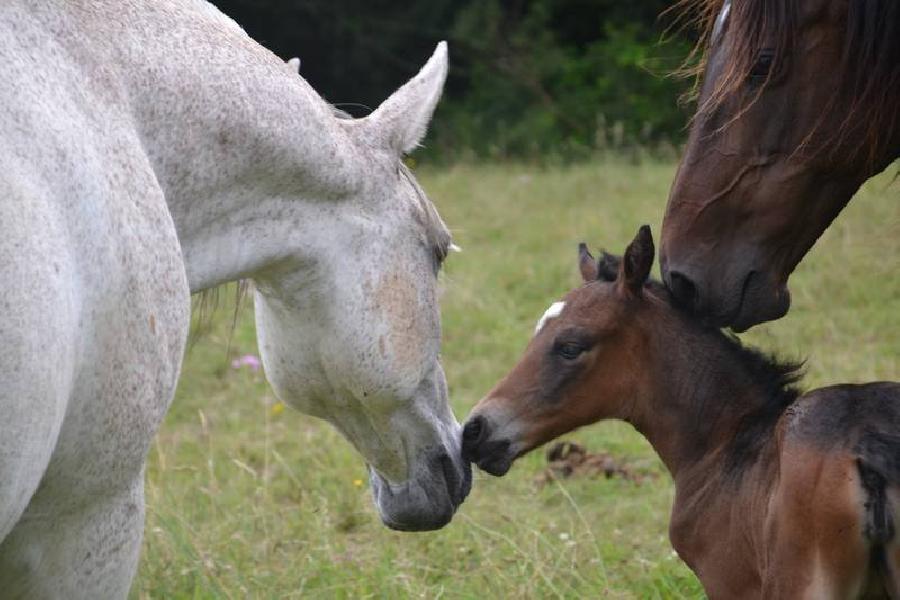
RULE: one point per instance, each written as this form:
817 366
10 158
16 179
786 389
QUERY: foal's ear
401 121
586 264
637 262
608 266
604 269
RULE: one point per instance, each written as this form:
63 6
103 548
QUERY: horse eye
760 70
570 350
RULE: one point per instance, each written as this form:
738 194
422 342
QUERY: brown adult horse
777 495
799 105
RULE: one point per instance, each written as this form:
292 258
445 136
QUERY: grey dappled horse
150 150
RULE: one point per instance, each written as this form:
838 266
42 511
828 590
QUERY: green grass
245 501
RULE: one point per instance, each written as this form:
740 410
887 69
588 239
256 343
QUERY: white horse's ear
401 121
294 65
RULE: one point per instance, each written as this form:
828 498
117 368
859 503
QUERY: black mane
775 378
778 380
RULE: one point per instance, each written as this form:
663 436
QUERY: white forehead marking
720 20
550 313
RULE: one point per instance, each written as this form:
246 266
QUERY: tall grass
248 500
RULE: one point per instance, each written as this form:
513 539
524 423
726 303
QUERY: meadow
248 499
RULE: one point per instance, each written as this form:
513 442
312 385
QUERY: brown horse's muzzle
738 300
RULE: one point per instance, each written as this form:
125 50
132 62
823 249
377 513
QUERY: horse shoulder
101 309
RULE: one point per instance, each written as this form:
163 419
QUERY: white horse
150 150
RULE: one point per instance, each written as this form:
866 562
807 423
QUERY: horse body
814 514
777 495
96 311
151 150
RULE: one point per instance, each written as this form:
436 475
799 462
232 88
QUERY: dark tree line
527 77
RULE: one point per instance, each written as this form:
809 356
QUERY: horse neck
699 405
247 154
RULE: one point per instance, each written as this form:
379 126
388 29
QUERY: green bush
531 90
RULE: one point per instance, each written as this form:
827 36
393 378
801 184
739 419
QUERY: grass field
246 500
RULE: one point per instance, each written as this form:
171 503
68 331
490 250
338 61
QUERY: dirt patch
570 459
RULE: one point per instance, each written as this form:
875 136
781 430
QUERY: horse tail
878 461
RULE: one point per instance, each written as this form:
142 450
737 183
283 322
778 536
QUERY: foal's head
588 360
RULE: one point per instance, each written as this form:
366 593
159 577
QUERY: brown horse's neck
714 405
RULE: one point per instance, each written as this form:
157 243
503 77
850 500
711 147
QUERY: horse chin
426 502
760 303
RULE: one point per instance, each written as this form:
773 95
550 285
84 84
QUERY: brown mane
870 64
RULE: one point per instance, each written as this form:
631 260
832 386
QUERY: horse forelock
753 25
870 63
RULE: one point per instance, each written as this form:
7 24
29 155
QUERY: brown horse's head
797 107
583 364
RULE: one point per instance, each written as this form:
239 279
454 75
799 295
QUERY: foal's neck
710 410
245 151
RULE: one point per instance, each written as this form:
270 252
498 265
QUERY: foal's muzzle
494 456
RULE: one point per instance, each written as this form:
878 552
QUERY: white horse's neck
243 148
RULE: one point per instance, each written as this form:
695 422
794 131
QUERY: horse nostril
473 430
473 434
684 290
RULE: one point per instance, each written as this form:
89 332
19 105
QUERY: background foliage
528 78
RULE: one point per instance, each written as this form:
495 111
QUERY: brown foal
777 494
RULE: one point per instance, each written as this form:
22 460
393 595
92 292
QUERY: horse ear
608 266
636 263
401 121
586 264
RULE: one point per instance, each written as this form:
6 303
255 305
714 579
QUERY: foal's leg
817 548
892 548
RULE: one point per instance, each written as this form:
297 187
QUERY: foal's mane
775 378
778 381
870 64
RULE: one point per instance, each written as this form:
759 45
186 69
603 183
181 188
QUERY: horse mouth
758 303
426 504
497 459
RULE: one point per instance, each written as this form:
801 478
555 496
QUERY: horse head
797 108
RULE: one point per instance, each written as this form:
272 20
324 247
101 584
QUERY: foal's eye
760 70
570 350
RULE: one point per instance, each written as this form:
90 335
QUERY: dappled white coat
149 150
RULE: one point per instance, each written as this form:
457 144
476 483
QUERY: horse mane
778 381
775 378
869 66
436 231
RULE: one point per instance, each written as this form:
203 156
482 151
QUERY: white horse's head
350 331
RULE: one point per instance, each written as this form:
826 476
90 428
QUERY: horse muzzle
429 499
